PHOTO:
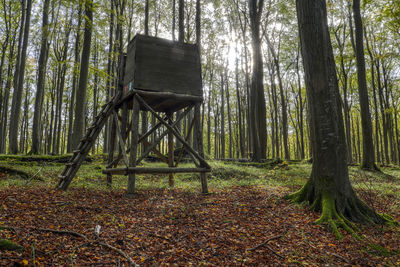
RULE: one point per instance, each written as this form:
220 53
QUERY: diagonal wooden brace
176 133
164 133
121 140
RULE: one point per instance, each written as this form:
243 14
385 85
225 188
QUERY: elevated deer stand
161 77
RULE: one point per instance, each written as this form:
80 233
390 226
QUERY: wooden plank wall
160 65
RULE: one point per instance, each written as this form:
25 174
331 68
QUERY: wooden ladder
86 143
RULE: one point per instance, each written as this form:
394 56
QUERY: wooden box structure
166 67
161 77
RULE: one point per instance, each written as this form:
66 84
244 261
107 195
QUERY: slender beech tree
257 99
275 59
44 51
80 107
368 158
107 127
181 20
19 84
328 189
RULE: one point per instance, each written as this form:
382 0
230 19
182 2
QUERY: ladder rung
91 127
86 139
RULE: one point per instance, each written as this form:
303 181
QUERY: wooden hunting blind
163 66
161 77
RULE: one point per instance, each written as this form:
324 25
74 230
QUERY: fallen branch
33 176
61 232
340 257
160 237
264 243
120 252
273 252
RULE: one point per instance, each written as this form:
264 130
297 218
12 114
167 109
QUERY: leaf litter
238 226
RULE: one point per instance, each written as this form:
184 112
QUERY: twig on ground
61 232
264 243
160 237
340 257
122 253
33 176
273 252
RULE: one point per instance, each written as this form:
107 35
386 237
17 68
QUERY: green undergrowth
44 170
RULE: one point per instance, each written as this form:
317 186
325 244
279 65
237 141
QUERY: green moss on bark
325 202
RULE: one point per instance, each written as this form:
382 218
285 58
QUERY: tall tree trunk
222 156
181 39
257 99
95 88
275 58
74 80
198 129
382 108
241 138
368 159
17 95
328 189
80 107
5 45
109 75
181 20
229 115
144 113
173 19
4 115
37 116
378 158
301 109
209 112
146 18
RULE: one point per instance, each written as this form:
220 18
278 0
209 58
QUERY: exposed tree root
339 213
373 168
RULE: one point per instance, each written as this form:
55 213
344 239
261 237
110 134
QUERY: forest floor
243 221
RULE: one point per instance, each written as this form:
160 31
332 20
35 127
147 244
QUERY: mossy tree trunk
328 190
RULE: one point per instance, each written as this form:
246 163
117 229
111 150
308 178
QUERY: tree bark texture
37 116
328 189
368 159
257 99
18 89
80 107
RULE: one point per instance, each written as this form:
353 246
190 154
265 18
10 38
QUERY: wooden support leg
134 145
124 120
204 186
199 145
170 150
111 148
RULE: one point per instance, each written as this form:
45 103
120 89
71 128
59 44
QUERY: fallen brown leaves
242 226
